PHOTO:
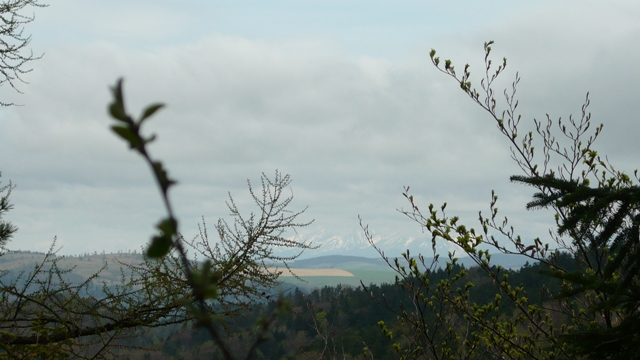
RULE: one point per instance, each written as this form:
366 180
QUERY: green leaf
116 110
162 176
150 110
128 135
150 139
169 227
160 246
210 292
205 280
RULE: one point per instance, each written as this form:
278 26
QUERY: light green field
367 277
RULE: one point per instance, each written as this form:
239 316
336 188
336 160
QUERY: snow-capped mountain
357 244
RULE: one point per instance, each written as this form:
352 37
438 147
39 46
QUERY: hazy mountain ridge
347 262
84 266
356 244
341 251
371 268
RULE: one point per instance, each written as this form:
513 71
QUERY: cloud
352 130
348 130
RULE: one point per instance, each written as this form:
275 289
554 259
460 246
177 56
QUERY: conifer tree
606 219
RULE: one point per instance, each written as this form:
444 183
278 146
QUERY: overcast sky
341 95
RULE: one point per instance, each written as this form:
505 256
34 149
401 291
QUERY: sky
341 95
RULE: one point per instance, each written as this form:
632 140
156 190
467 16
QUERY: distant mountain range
356 244
346 262
351 253
355 250
366 269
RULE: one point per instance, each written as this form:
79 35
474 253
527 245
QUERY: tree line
332 321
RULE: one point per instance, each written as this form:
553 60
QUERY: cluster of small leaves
129 130
601 224
435 324
236 267
446 305
200 280
506 336
570 156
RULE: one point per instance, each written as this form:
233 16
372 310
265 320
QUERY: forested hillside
333 322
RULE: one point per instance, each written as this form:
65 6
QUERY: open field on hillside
366 276
312 272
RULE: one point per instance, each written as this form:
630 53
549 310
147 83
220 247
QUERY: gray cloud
351 130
